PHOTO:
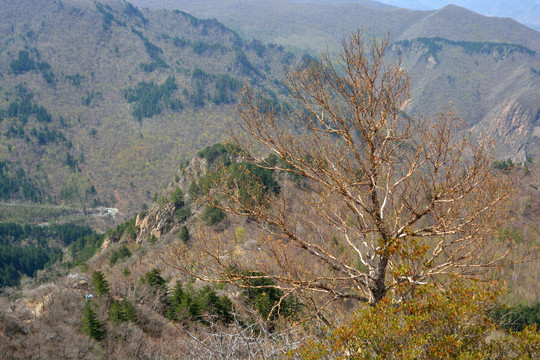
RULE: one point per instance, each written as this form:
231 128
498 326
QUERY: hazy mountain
485 67
525 11
368 3
310 27
315 26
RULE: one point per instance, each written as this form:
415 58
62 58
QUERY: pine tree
92 326
129 311
122 311
100 284
153 279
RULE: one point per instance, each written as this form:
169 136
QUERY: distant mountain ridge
297 23
457 23
526 12
457 57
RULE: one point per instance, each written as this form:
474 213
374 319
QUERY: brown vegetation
386 203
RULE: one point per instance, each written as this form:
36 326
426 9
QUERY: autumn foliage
452 324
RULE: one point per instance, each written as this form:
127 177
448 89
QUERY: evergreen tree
153 279
122 253
100 284
122 311
92 326
177 198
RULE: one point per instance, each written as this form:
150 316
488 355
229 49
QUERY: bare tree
387 202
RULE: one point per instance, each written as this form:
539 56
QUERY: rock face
511 119
158 221
161 218
509 125
431 63
195 169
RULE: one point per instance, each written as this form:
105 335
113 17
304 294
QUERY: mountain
145 306
457 23
101 102
299 24
486 68
526 12
312 27
367 3
492 84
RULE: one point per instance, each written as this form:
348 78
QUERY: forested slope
100 102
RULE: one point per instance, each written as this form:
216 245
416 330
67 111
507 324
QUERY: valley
223 179
75 131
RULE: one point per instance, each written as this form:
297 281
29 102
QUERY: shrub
183 213
239 234
184 234
433 324
213 215
120 254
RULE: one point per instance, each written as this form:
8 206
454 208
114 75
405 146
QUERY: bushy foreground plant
433 324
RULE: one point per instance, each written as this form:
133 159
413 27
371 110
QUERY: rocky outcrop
509 126
194 170
431 62
161 218
512 120
156 222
